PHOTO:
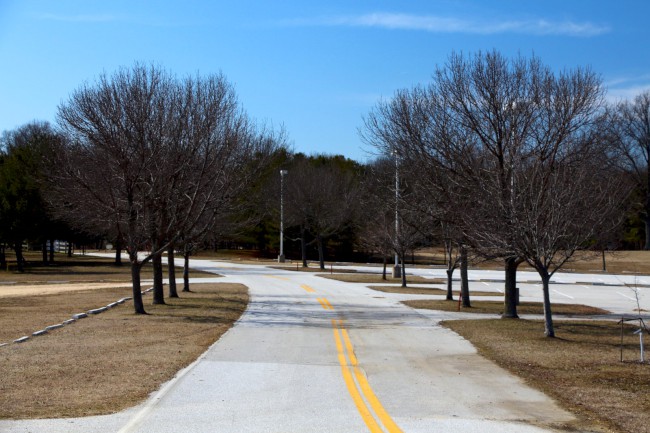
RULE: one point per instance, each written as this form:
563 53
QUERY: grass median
108 362
581 368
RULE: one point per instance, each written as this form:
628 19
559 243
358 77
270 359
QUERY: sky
314 68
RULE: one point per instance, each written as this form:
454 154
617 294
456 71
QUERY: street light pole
397 270
283 173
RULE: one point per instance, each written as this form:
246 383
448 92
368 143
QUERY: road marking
277 278
361 384
563 294
625 296
307 288
325 303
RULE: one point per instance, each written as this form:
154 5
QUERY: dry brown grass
108 362
617 262
496 307
425 291
580 368
77 268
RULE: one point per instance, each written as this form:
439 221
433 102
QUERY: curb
75 317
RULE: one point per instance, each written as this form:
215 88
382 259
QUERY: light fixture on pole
283 173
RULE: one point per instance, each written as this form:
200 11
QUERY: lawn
106 362
581 368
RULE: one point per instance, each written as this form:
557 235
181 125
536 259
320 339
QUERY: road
318 355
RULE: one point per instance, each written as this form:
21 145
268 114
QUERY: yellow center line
307 288
325 303
362 381
367 390
352 388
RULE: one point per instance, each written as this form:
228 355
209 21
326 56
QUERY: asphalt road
317 355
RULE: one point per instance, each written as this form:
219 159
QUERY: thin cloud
439 24
626 87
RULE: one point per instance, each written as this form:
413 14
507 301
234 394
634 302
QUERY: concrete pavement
314 355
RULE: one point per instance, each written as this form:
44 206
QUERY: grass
78 268
617 262
109 362
581 368
425 291
496 307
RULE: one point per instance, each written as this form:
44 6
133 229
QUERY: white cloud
439 24
626 93
626 87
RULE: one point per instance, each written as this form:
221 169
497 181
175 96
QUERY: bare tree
152 156
377 218
561 207
629 127
481 120
321 199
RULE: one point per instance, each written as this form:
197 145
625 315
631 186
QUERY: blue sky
315 67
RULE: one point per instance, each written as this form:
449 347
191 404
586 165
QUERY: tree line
493 158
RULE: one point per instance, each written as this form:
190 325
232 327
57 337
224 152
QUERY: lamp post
397 270
283 173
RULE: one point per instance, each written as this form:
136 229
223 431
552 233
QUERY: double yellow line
371 410
364 398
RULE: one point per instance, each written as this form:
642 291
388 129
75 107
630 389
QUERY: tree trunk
646 221
138 305
51 250
44 250
604 262
69 249
548 317
401 259
186 271
158 292
3 257
450 292
383 274
303 247
321 253
20 260
464 281
510 296
118 252
171 270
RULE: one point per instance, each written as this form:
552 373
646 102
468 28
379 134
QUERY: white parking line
625 296
563 294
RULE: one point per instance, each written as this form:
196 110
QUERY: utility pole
283 173
397 270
